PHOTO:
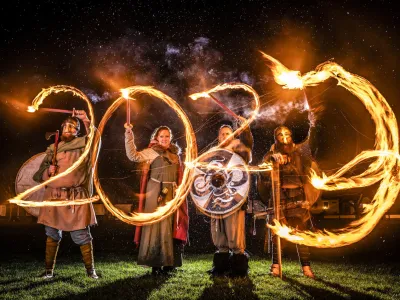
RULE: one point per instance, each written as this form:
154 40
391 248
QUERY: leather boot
239 265
168 269
87 256
307 271
274 270
220 264
50 257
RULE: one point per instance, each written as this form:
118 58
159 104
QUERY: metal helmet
72 121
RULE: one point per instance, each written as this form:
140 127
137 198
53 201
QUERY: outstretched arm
131 151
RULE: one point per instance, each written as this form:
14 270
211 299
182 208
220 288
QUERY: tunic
229 233
76 185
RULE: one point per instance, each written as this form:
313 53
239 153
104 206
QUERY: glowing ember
31 109
266 166
245 122
34 107
54 202
203 165
199 95
318 182
125 93
191 153
383 169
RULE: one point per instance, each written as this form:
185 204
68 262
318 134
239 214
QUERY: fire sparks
199 95
234 86
383 169
34 107
191 153
265 167
125 93
31 109
283 76
26 203
244 123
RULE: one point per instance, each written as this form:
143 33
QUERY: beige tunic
76 185
229 233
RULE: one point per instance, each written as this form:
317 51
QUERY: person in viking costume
77 185
228 233
297 194
160 244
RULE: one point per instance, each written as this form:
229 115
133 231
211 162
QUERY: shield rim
27 208
245 197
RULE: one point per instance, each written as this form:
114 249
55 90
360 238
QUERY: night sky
181 47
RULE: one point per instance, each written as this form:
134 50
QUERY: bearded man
228 234
77 185
296 194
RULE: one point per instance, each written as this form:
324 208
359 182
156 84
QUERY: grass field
121 278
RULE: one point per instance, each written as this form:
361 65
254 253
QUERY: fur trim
173 148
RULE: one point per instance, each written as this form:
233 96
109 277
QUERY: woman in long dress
161 244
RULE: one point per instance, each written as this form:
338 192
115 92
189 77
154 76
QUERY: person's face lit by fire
164 138
69 131
224 132
284 136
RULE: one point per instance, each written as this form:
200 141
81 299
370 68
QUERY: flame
265 167
289 79
199 95
191 153
31 109
245 122
125 93
47 203
34 107
383 169
233 86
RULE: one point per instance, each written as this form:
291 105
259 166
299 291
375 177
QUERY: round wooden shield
221 183
25 181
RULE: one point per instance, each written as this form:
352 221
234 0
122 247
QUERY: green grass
121 278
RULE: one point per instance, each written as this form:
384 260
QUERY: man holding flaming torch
78 184
296 194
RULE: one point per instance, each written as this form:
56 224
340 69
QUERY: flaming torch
191 153
383 169
35 107
221 104
232 86
125 95
265 167
31 109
